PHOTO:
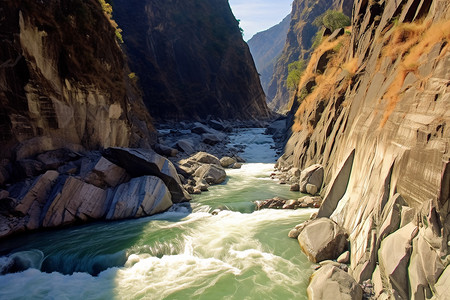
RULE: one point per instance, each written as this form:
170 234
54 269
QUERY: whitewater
188 252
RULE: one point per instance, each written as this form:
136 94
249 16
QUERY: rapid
187 252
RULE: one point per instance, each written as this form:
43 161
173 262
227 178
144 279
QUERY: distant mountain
266 46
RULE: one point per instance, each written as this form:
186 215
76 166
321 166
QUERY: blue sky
259 15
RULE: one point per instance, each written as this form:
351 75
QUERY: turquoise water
185 253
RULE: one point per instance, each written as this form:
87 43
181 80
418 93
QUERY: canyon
153 113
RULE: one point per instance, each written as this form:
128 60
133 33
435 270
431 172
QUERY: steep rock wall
191 59
377 120
266 48
298 44
63 81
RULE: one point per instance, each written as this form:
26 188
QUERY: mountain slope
191 59
266 47
298 44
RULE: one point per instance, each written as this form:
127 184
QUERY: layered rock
63 81
191 59
376 120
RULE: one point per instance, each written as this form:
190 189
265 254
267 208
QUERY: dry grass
325 83
410 41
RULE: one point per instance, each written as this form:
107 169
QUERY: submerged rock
212 174
227 161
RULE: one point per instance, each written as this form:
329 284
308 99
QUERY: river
184 253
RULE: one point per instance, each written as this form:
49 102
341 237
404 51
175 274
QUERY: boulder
78 201
106 174
143 196
37 194
199 128
141 162
186 146
227 161
216 125
312 175
211 139
330 282
213 174
165 151
290 204
52 160
322 239
344 258
393 257
205 158
312 189
295 187
236 166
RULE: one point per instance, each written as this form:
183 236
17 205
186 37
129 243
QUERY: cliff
373 108
64 81
266 48
66 93
298 45
191 59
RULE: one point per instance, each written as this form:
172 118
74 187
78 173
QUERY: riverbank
185 252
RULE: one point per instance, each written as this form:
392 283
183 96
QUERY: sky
259 15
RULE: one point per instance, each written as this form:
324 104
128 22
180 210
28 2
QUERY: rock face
266 47
63 81
376 120
190 59
298 45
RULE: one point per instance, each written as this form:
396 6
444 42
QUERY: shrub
295 71
108 10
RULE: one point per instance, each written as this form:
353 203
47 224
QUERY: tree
295 71
332 19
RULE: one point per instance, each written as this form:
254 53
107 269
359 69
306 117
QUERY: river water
185 253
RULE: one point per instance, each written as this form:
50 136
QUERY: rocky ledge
72 188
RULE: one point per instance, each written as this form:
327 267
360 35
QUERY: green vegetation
295 71
107 9
331 19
